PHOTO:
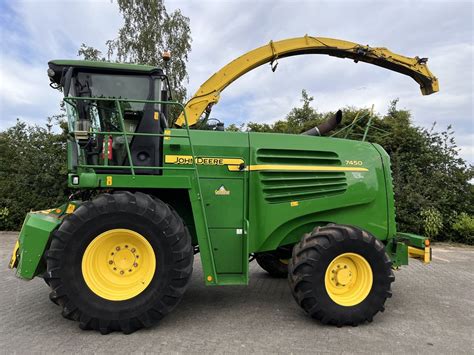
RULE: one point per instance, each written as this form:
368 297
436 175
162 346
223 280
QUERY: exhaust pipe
325 127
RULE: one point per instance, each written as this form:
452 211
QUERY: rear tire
122 292
273 263
340 275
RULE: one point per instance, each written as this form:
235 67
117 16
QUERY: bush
432 222
33 174
464 227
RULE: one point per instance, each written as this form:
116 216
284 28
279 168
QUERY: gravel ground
431 311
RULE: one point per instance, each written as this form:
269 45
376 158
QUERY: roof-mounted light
166 56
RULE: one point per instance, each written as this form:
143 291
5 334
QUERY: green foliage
432 222
33 172
4 213
90 53
464 226
147 32
427 172
234 128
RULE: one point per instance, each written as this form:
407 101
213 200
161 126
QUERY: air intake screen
285 186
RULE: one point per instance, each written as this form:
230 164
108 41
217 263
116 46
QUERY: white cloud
222 30
34 32
25 94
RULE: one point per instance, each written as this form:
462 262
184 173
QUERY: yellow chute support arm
209 92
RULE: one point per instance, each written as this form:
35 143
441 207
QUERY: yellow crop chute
209 92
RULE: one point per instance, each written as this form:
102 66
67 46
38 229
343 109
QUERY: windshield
90 116
115 86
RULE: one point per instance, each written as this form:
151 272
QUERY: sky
32 32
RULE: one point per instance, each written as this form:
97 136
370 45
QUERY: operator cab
104 102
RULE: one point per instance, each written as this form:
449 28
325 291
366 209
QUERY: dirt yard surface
431 311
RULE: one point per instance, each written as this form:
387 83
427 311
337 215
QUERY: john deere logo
222 191
188 160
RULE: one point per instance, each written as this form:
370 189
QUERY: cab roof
60 66
102 65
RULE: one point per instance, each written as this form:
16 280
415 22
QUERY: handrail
358 118
123 132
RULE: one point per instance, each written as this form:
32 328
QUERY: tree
464 226
428 173
90 53
301 117
148 31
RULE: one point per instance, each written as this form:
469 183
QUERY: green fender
34 239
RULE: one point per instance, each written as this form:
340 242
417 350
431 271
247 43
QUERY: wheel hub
118 264
348 279
342 274
124 259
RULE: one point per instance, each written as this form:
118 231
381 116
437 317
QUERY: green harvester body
239 193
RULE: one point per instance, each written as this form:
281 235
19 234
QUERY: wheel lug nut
111 253
345 266
132 250
130 270
135 264
118 248
115 268
121 272
126 246
111 262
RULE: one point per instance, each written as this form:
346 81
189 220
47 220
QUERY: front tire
119 263
340 275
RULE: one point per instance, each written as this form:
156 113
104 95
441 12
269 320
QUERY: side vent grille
285 186
297 157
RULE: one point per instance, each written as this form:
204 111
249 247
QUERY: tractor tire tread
271 263
159 213
306 260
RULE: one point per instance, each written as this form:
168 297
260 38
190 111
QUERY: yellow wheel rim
119 264
348 279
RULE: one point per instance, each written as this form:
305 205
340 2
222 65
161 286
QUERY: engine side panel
299 182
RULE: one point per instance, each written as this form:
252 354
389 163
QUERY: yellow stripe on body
275 167
234 164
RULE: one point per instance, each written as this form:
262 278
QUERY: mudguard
34 238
